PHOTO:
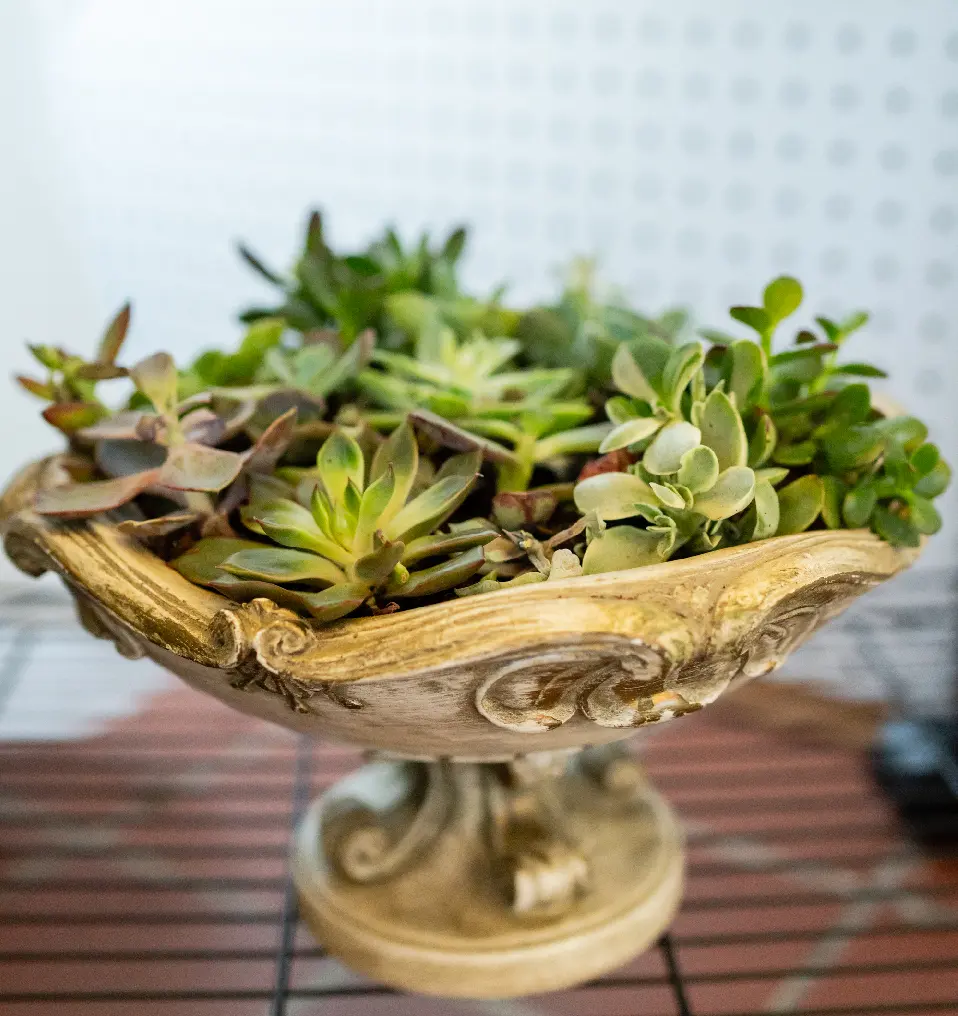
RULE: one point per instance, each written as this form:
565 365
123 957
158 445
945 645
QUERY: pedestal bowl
500 841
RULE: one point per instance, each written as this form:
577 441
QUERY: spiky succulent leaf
430 509
441 544
340 461
280 565
440 577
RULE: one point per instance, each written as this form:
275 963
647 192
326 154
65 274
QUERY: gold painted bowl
518 855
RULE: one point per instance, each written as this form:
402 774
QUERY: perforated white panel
698 148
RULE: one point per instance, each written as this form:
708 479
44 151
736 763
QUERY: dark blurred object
916 763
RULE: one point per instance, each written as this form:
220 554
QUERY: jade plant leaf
800 503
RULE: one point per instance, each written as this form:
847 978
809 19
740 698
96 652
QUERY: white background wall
697 148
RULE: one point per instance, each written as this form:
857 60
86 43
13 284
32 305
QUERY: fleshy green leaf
376 566
835 492
904 430
858 370
339 461
292 525
853 447
782 297
722 430
620 548
682 363
336 602
763 441
439 577
668 496
800 503
852 405
443 544
798 454
699 469
612 495
400 452
924 515
925 458
732 492
630 432
772 474
430 509
278 564
858 505
664 454
202 562
897 531
629 378
196 467
765 512
934 482
619 409
745 372
71 417
753 317
375 499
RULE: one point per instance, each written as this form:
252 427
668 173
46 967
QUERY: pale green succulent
363 536
461 387
694 473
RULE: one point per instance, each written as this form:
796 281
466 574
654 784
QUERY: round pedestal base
479 881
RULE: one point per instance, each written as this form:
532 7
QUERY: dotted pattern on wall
696 148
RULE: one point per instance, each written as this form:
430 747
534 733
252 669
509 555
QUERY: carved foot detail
489 880
519 811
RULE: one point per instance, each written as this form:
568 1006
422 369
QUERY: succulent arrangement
381 439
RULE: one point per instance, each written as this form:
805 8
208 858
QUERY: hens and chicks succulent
380 439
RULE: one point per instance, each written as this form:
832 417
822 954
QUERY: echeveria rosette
365 535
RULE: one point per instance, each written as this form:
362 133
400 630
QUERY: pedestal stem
490 880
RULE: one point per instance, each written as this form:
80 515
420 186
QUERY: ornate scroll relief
539 693
262 645
794 618
641 684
